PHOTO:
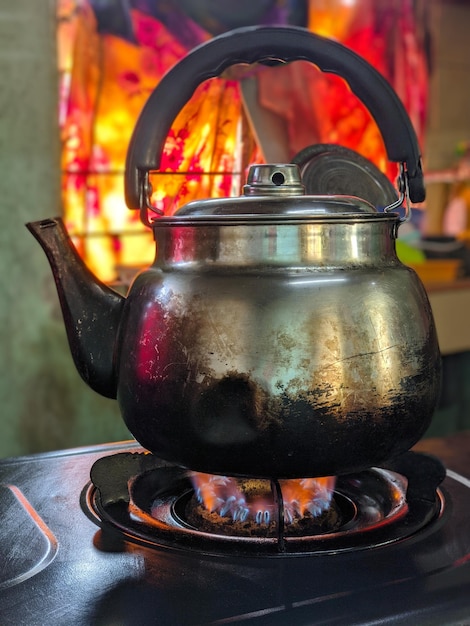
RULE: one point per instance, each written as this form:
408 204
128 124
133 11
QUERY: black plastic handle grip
257 44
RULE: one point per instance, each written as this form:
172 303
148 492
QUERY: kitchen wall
449 124
44 404
449 120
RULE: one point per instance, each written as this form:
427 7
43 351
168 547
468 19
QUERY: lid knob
274 180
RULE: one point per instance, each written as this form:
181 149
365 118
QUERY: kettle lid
275 191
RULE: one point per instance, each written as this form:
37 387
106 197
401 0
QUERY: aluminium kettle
276 334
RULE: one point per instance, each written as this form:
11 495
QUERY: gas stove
120 549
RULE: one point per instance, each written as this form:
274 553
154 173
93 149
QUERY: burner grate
147 502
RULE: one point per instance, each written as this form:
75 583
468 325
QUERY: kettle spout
91 310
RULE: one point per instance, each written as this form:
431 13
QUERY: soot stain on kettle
234 408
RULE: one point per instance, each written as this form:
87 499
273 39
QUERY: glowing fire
104 82
107 76
227 497
307 495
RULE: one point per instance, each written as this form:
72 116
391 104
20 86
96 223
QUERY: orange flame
227 497
306 495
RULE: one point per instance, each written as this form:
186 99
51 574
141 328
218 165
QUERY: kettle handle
261 44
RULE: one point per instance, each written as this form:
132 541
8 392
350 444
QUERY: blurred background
75 75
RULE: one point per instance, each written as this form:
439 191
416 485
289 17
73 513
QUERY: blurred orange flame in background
105 79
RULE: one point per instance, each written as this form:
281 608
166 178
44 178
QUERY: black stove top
59 567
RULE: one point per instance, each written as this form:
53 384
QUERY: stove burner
249 503
192 513
153 503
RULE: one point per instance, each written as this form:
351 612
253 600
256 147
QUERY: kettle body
278 346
